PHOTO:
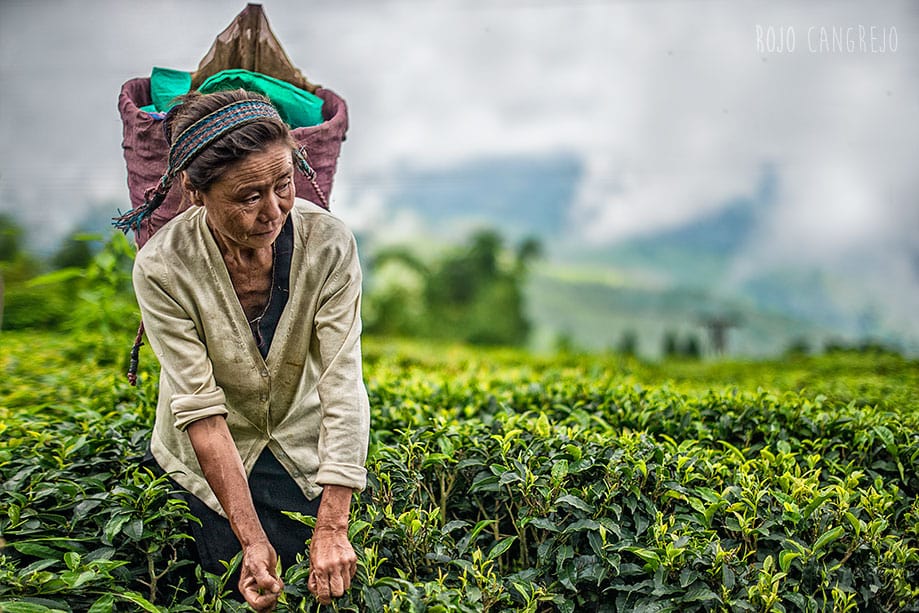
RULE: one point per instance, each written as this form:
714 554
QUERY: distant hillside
528 195
596 314
698 253
662 282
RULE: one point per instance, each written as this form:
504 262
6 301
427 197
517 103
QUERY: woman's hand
258 580
332 564
332 559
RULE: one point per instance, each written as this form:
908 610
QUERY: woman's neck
250 273
240 254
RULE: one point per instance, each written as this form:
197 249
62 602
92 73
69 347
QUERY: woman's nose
272 207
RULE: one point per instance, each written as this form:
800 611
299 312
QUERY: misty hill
696 253
599 313
664 281
521 196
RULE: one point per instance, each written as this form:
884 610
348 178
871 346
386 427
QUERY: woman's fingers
336 585
319 586
326 587
267 582
259 599
346 579
262 602
257 582
333 564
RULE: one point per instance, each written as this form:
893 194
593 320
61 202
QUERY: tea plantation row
501 482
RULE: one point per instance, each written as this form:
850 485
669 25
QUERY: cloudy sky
672 107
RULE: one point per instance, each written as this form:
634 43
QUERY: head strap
198 136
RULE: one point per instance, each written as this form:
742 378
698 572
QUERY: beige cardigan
306 401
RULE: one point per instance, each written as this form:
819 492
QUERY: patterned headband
192 141
198 136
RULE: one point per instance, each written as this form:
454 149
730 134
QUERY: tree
691 348
10 249
74 252
530 249
670 344
472 293
395 306
628 343
10 238
718 327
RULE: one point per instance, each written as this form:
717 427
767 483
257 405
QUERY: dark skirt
273 490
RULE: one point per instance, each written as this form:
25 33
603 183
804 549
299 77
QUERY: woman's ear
194 196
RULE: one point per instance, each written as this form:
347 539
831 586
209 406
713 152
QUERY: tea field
500 481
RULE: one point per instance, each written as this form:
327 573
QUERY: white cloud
670 104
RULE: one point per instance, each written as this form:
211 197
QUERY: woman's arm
198 406
344 433
332 558
224 471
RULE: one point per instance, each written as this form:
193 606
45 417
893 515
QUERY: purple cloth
146 150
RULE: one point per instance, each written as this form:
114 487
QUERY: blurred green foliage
11 235
87 286
472 293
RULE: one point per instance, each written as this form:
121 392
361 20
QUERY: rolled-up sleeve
345 422
187 371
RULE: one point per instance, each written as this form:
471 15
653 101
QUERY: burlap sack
249 43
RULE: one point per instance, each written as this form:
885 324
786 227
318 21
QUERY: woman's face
248 205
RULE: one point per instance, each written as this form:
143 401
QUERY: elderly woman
251 302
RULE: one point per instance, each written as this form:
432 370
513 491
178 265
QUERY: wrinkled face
248 205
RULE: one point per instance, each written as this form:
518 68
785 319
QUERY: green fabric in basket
297 107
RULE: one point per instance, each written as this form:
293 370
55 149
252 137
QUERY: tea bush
501 481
